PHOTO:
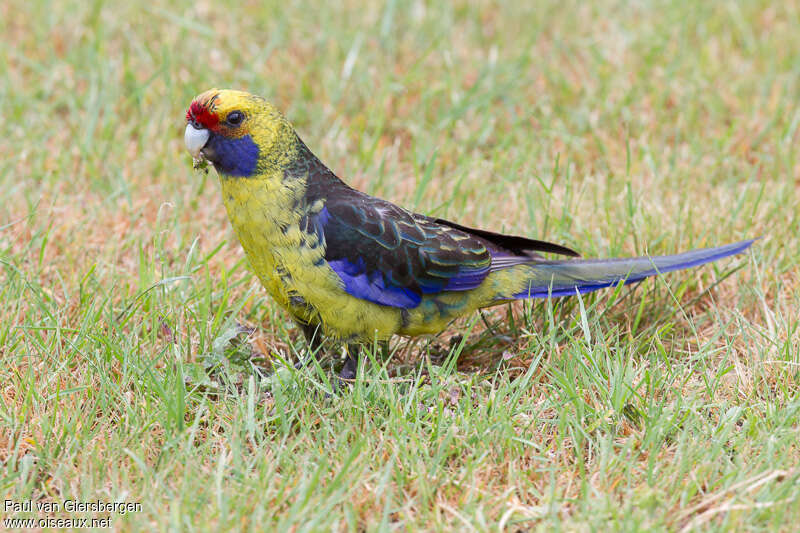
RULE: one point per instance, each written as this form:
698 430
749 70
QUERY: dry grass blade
711 506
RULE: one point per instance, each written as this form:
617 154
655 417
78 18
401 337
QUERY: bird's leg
313 335
350 367
351 362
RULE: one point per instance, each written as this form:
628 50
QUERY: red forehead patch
200 114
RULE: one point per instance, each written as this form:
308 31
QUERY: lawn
143 363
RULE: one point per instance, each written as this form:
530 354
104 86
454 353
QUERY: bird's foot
348 373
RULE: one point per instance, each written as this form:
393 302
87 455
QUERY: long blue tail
565 278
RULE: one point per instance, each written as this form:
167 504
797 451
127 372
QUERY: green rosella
357 268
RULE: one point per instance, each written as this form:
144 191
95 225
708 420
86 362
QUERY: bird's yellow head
241 134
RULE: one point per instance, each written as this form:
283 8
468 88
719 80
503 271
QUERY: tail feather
565 278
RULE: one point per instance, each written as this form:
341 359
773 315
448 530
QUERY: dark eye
234 118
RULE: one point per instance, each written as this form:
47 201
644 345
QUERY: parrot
358 269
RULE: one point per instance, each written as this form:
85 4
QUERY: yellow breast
265 214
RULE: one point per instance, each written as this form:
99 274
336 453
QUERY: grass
614 128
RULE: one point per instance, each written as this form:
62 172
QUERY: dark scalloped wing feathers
387 255
390 256
513 243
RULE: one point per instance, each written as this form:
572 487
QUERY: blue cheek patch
235 157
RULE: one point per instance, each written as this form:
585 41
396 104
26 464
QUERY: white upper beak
195 139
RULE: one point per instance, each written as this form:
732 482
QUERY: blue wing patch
372 286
